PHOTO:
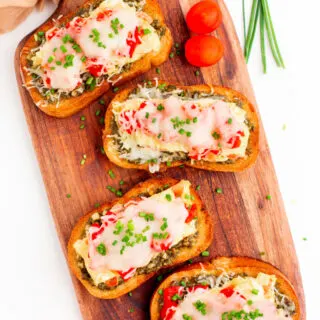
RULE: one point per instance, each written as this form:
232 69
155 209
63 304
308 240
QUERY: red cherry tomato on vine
204 17
203 51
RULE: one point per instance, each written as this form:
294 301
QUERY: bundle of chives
260 11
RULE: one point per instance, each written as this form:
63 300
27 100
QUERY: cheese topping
240 297
204 128
113 35
132 234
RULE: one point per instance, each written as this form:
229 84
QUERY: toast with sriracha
226 288
158 224
72 60
156 125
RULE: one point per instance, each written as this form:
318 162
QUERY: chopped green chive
304 239
268 197
250 302
63 49
82 126
130 294
216 135
146 31
218 190
111 174
97 205
114 242
154 120
147 115
181 131
229 121
188 134
82 118
201 307
83 59
168 163
183 283
177 45
157 70
160 107
50 59
115 89
176 297
102 102
101 248
171 55
198 187
255 291
168 197
205 253
131 310
68 195
197 73
160 291
195 120
98 112
121 182
262 253
159 278
159 135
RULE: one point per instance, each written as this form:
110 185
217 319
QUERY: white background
35 282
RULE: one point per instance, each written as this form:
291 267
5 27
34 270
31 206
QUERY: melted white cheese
113 52
101 268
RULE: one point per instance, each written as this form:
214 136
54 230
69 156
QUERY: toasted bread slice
242 266
202 238
71 105
228 95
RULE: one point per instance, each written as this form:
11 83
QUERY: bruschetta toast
157 125
226 288
71 61
158 224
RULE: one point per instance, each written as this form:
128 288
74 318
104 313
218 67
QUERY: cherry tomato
204 17
203 51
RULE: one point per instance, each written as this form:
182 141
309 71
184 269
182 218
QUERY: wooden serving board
245 222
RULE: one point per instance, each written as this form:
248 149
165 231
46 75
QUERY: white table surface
35 282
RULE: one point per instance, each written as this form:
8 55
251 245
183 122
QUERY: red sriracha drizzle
192 213
160 245
133 41
229 291
125 275
169 305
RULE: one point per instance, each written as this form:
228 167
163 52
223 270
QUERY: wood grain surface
245 222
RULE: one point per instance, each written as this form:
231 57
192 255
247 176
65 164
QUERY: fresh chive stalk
262 41
260 11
